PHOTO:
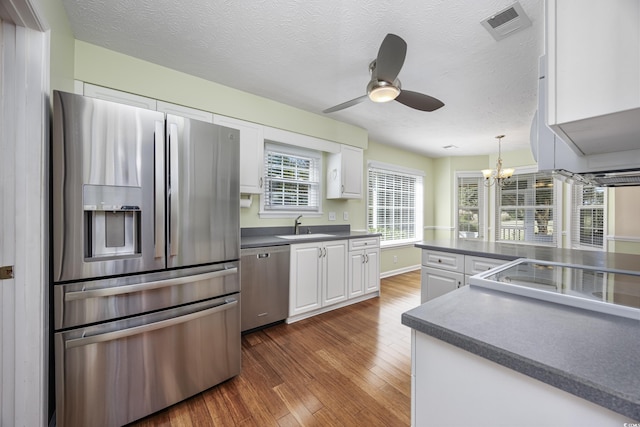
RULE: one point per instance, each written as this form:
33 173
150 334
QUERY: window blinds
292 179
394 205
588 216
471 207
526 210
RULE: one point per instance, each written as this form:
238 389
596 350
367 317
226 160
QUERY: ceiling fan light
382 91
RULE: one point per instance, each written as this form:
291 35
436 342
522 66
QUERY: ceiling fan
385 86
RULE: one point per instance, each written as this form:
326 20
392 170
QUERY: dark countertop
523 334
589 354
267 236
511 251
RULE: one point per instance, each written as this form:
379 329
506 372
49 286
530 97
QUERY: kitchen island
486 357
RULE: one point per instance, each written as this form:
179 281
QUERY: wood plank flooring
348 367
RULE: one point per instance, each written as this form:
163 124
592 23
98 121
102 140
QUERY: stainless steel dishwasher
264 278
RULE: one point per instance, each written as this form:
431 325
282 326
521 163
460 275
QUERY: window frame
418 201
317 156
483 203
556 238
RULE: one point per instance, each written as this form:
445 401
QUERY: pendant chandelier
499 175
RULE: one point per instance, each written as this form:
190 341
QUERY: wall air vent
507 21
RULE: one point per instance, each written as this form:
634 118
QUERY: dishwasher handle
263 255
136 330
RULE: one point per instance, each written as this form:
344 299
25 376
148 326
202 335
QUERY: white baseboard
308 314
399 271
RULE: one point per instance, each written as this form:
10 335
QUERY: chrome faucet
296 225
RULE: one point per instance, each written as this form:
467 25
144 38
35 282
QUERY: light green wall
94 64
62 46
398 258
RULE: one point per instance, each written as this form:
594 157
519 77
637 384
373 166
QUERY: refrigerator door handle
110 336
174 196
159 190
138 287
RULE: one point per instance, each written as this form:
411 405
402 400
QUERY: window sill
394 245
305 214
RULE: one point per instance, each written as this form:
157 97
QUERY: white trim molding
633 239
402 270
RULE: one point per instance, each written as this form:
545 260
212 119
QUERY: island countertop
512 251
589 354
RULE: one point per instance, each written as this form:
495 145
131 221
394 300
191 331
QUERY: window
292 180
588 216
394 203
471 196
526 210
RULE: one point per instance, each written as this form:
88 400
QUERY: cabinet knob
439 260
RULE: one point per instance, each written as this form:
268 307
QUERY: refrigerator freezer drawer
82 303
117 372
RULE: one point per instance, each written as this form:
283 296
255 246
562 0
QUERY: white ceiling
315 54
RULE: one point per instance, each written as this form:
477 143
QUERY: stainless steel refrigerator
145 250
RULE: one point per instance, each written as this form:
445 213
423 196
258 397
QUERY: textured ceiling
315 54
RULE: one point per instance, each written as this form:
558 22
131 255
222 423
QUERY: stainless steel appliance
145 247
264 274
600 289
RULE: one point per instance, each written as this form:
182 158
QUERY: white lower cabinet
438 282
452 386
318 275
364 266
444 272
332 274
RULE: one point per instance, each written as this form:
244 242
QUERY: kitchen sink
305 236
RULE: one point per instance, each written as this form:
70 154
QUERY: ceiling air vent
507 21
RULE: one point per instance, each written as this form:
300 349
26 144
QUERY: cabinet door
305 280
344 173
372 270
352 168
251 153
436 282
335 272
356 273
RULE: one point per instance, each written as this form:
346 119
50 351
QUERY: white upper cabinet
344 173
251 153
593 54
113 95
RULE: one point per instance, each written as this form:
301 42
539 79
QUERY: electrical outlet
345 216
395 259
332 216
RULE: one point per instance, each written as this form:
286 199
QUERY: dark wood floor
348 367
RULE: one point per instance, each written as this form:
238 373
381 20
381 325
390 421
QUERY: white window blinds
526 210
471 207
394 205
292 179
588 216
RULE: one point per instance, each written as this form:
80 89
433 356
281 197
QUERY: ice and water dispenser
112 221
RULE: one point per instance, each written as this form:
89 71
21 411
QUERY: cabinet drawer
445 260
364 243
477 264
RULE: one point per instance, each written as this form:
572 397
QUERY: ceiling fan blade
419 101
347 104
390 58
